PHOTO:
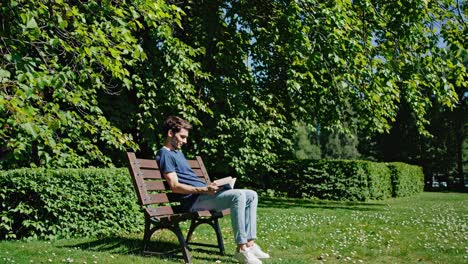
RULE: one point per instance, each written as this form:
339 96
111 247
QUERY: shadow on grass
133 246
285 203
114 245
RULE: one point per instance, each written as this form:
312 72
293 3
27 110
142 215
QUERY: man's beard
175 144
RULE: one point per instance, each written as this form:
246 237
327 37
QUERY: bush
379 180
346 180
406 179
40 203
63 203
323 179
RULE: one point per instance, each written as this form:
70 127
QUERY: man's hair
175 124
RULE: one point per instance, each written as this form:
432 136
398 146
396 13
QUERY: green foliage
347 180
56 57
380 180
82 82
339 145
64 63
406 179
48 204
442 156
304 148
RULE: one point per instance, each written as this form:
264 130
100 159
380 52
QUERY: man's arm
181 188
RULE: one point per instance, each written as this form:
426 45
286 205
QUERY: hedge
379 180
346 180
406 179
62 203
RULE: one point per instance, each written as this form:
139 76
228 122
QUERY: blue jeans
243 205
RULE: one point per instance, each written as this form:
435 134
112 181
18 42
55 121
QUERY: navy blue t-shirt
175 161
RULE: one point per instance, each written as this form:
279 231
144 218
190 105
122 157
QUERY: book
226 183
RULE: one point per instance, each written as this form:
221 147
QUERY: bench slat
202 167
155 198
162 210
150 174
194 164
155 186
147 163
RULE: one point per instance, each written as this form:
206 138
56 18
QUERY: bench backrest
150 185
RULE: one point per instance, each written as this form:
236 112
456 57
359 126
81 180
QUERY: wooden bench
154 195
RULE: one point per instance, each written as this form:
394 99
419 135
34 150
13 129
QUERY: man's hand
212 189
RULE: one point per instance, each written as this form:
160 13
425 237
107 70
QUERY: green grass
427 228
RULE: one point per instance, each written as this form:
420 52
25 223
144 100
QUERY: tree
440 151
340 145
64 64
306 145
83 81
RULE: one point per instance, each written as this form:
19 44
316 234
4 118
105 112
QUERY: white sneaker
247 257
257 251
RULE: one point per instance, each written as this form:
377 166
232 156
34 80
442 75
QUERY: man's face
178 139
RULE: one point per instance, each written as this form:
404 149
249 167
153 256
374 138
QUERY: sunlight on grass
428 228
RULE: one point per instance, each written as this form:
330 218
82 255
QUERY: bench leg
193 225
219 236
174 228
147 235
183 244
214 224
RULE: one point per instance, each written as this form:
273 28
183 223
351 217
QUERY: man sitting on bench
195 195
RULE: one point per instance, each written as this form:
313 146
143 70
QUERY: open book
227 182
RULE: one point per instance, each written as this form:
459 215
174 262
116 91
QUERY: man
195 195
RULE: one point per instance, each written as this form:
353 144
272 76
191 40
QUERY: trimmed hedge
346 180
406 179
40 203
379 180
63 203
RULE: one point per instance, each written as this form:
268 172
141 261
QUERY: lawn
427 228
